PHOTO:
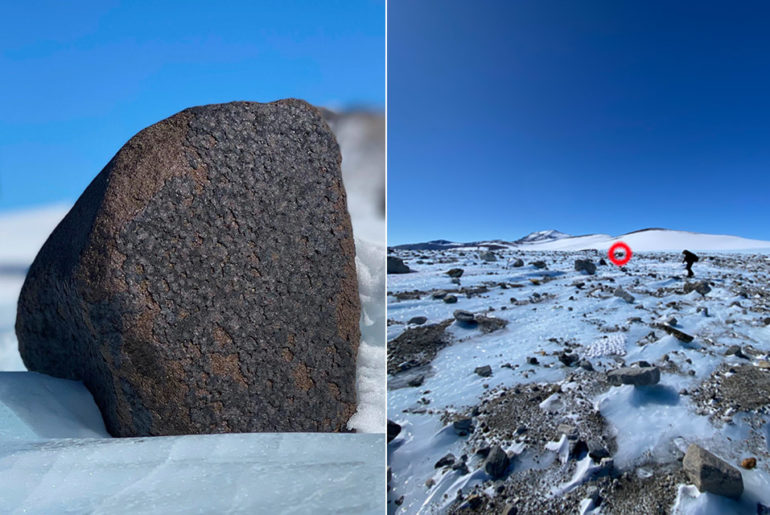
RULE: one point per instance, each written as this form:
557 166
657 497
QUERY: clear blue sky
79 79
600 116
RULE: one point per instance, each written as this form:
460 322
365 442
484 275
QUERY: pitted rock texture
205 281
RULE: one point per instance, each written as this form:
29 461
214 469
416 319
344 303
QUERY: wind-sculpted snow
566 330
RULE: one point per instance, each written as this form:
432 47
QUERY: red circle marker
620 246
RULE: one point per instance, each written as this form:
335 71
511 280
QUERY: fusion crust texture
205 280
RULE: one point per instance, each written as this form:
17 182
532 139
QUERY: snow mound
610 344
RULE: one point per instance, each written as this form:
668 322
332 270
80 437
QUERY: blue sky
603 116
80 78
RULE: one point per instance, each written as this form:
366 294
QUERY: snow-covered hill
542 236
645 240
653 240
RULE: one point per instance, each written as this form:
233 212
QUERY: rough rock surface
397 266
205 281
637 376
585 265
712 474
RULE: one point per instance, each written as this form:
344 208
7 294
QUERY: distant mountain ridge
650 239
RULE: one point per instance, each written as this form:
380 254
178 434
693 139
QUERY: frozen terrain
549 334
55 455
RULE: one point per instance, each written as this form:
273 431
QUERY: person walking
689 258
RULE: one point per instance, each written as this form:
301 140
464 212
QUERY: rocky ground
553 382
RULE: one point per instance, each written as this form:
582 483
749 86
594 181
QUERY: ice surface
230 473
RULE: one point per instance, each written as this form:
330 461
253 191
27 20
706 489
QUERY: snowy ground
522 403
56 456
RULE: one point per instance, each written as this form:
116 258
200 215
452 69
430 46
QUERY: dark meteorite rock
205 281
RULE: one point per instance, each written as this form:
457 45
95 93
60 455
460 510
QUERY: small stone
463 426
430 482
518 263
490 324
586 365
712 474
539 264
567 358
455 272
676 333
450 299
585 265
497 462
484 371
749 463
393 430
439 294
417 381
623 294
637 376
532 360
419 320
446 461
464 317
597 450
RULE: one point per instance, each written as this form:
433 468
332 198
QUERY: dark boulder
455 272
396 266
585 265
393 430
205 281
497 462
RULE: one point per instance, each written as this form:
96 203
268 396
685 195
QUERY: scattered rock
446 461
455 272
419 320
169 294
393 430
712 474
585 265
623 294
567 358
701 287
539 264
465 317
396 266
490 324
463 426
416 346
450 299
518 263
602 262
497 462
597 450
416 381
637 376
484 371
749 463
439 294
488 256
679 335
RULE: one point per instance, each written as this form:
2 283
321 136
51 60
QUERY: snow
652 425
656 240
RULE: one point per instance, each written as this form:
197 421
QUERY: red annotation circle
620 246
